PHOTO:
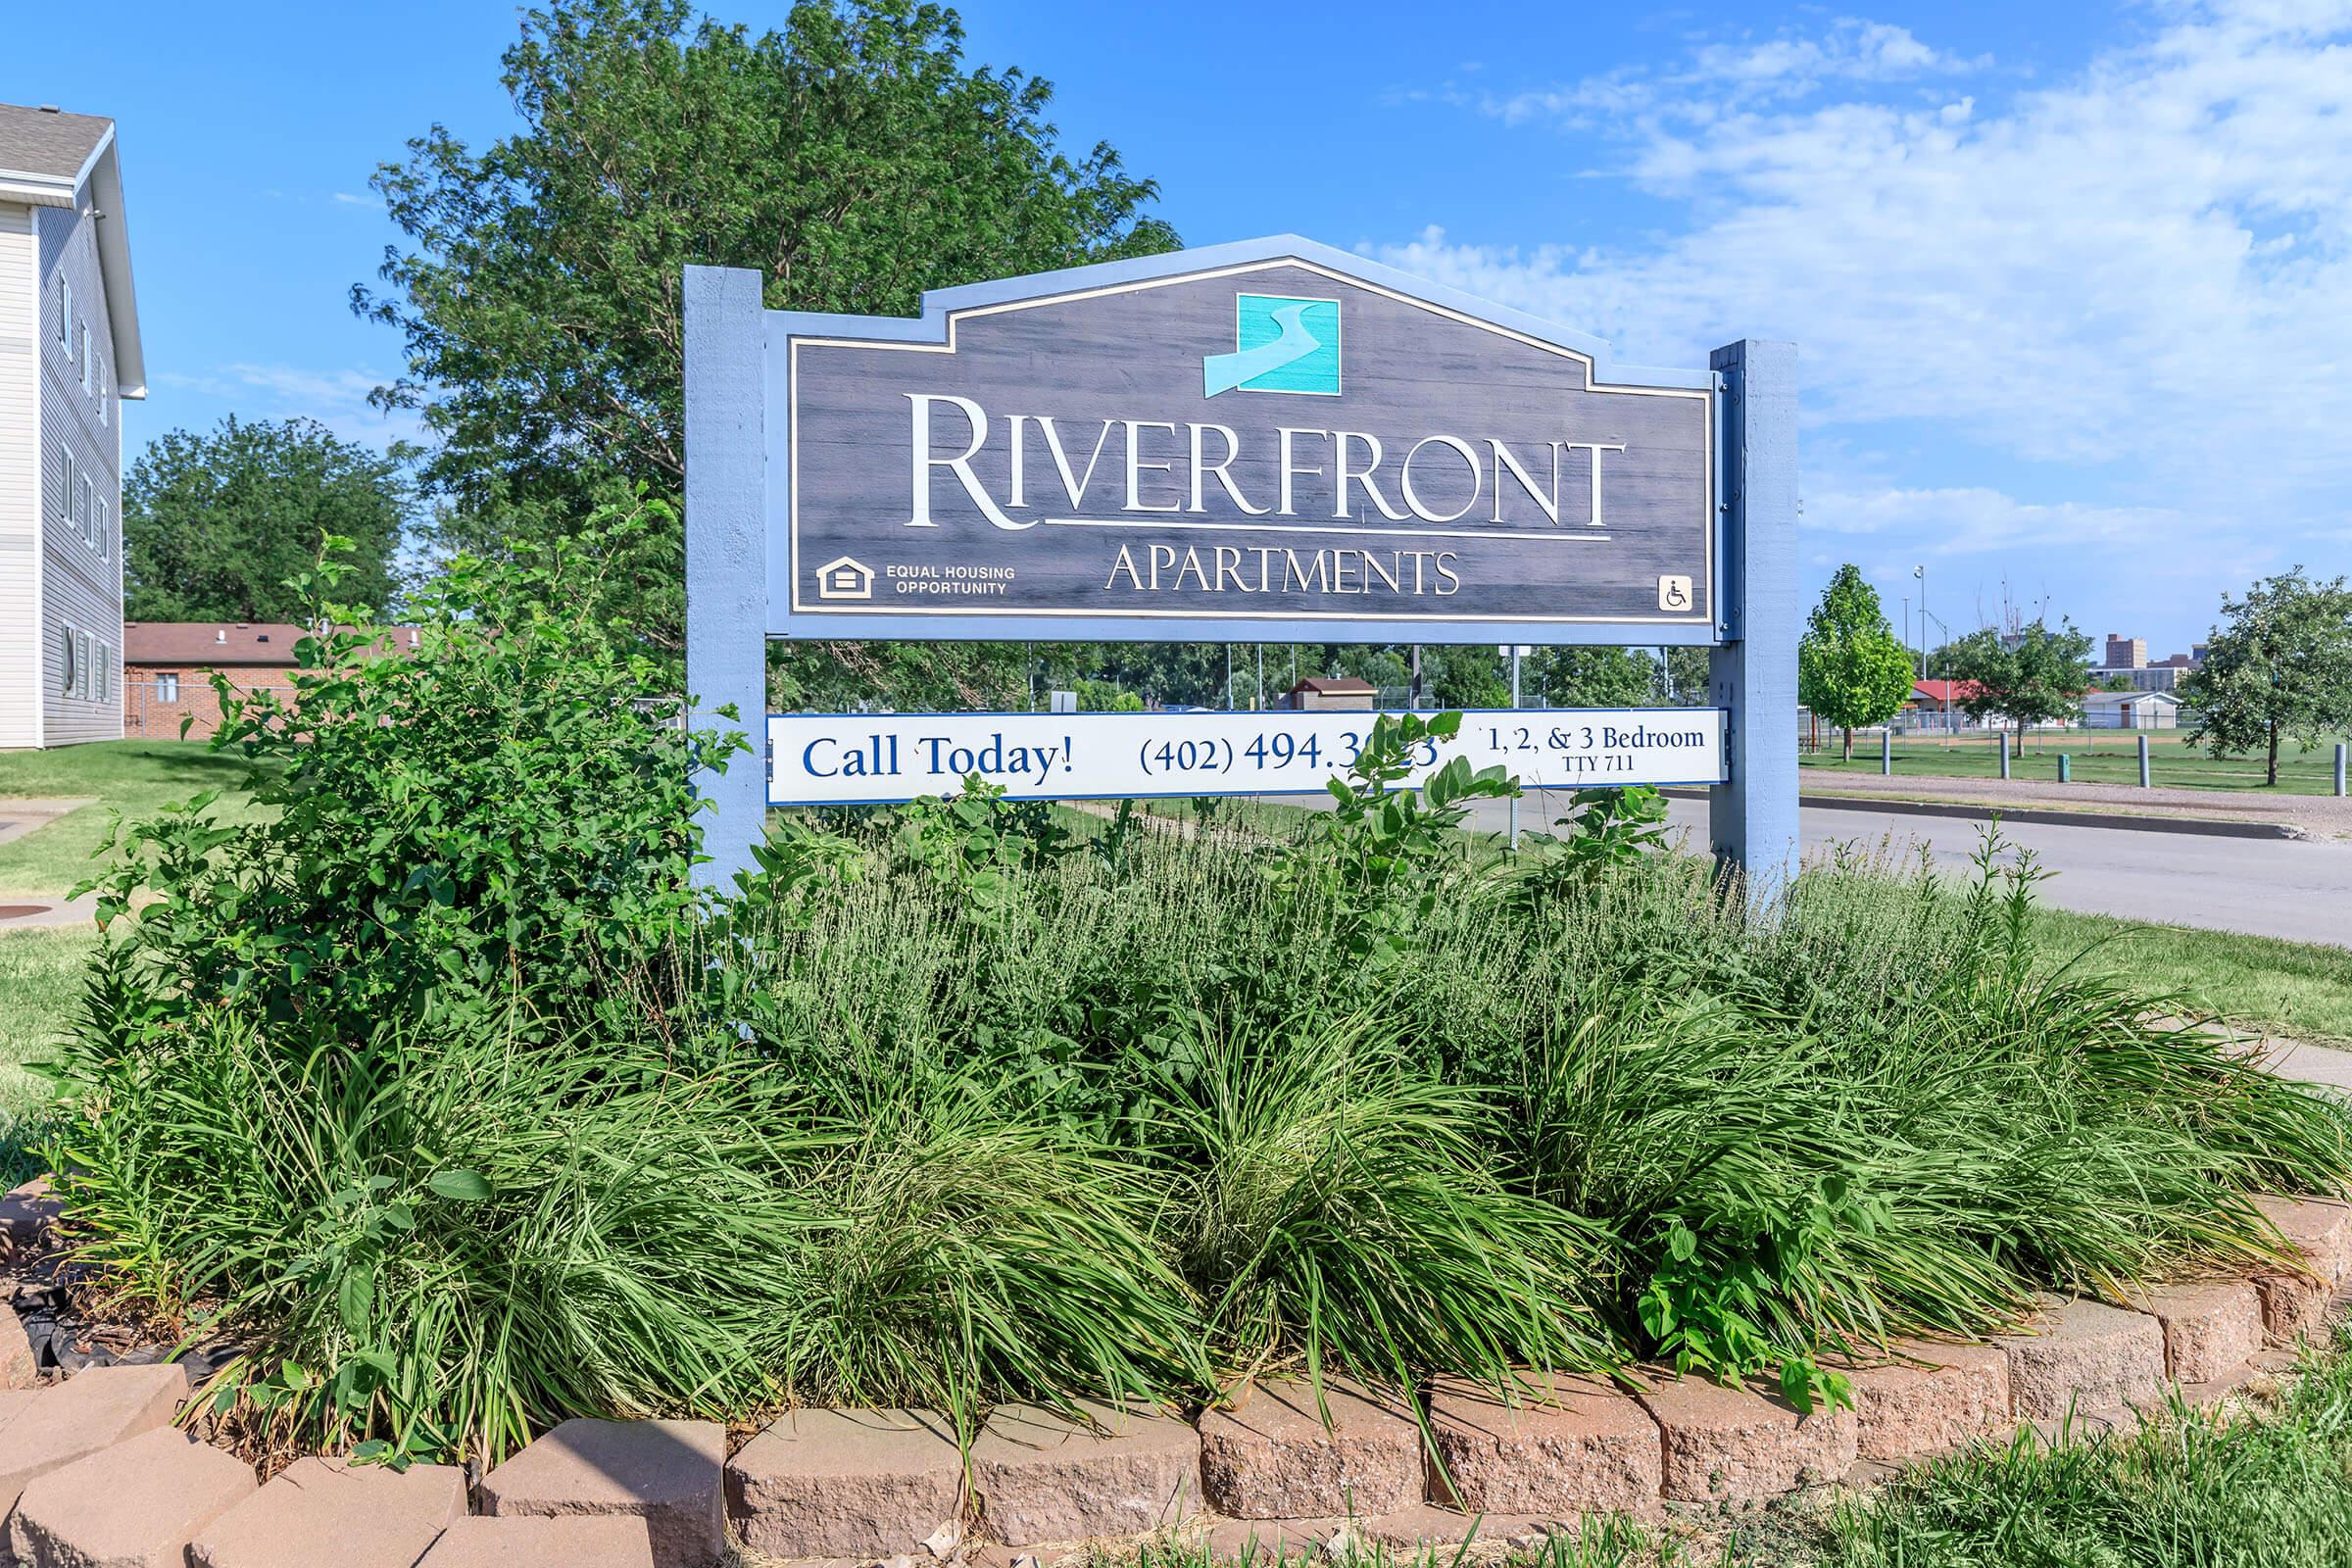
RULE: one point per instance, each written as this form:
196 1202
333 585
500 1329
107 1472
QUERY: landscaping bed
435 1092
2059 1415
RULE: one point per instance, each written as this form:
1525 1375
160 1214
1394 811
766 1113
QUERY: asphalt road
2269 887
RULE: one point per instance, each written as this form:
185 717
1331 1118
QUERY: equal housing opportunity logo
1280 345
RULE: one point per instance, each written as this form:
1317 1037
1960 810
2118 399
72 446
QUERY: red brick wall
145 716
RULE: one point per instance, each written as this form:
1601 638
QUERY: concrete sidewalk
22 815
2313 1064
81 911
2317 816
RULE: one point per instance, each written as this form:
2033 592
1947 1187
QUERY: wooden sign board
1170 454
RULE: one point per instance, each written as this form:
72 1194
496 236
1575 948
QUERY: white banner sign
868 759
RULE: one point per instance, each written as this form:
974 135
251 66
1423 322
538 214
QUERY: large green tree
214 524
853 158
2029 676
2279 666
1590 677
1850 669
1681 678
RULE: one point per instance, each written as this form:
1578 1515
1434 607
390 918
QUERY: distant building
2127 659
1321 694
167 670
2138 709
2142 677
68 354
1942 696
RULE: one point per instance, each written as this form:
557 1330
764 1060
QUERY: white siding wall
19 482
82 587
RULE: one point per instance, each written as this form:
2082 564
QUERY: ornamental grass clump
446 1243
443 1240
1330 1198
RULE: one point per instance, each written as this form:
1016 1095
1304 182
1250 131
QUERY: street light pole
1516 649
1921 573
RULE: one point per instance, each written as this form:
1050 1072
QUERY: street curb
2113 817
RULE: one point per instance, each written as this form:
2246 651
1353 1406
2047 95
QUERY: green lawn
2107 758
134 777
2299 990
40 968
41 979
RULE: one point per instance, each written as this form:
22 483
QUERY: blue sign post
1267 441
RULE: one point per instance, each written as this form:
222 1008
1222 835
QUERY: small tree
2029 676
2281 666
1850 668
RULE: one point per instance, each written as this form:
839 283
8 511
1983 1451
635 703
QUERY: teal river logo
1280 345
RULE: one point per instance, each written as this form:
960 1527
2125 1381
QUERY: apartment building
69 355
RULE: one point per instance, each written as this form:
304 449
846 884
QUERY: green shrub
506 807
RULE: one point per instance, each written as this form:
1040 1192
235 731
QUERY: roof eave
36 190
104 173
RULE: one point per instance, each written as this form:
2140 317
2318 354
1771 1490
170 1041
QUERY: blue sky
2072 283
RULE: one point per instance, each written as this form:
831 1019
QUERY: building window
86 358
104 671
167 686
102 397
67 671
106 529
65 314
64 485
85 497
81 659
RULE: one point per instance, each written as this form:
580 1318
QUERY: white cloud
2143 273
336 398
1970 519
1851 50
348 199
1786 65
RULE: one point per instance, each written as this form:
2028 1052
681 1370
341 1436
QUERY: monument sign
1266 441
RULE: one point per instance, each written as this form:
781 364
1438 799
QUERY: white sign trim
877 759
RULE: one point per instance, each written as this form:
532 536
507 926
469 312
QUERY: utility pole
1229 677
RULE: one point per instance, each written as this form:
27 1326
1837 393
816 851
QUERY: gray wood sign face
1272 442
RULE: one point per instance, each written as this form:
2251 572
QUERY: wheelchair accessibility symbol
1674 593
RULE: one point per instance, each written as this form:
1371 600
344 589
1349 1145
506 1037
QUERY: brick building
167 670
1318 693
